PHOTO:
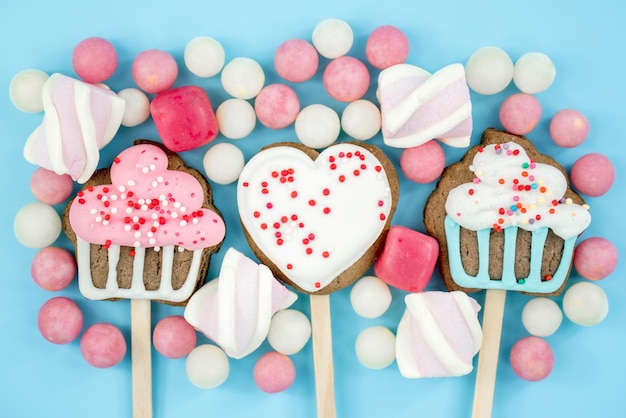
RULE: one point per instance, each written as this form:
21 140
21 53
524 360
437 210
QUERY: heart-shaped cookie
317 220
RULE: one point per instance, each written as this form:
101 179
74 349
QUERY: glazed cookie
318 220
145 228
505 218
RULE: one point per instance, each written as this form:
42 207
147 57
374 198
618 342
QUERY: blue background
584 39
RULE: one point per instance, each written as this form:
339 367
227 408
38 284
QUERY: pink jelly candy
184 118
408 259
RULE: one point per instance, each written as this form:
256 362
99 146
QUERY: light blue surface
585 40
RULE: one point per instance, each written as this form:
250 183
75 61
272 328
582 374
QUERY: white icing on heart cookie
314 218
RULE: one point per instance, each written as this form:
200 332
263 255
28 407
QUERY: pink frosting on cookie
146 205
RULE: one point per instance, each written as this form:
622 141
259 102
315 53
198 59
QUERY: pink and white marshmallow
79 120
438 335
417 106
235 310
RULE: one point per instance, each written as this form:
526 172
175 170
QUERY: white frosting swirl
512 190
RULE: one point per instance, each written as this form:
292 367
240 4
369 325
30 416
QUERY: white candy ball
137 109
376 347
289 331
585 304
370 297
489 70
223 163
534 72
332 38
541 317
243 78
37 225
361 120
317 126
204 56
207 366
235 118
25 90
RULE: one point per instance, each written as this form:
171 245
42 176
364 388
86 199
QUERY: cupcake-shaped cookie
145 229
505 218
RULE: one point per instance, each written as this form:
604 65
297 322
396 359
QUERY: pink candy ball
277 106
592 174
520 113
49 187
386 46
53 268
569 128
103 345
532 358
423 164
346 79
595 258
296 60
60 320
94 59
174 337
154 70
274 372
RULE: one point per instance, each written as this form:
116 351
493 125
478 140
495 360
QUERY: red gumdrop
408 259
184 118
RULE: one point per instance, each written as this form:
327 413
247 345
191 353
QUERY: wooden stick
141 351
489 353
323 356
